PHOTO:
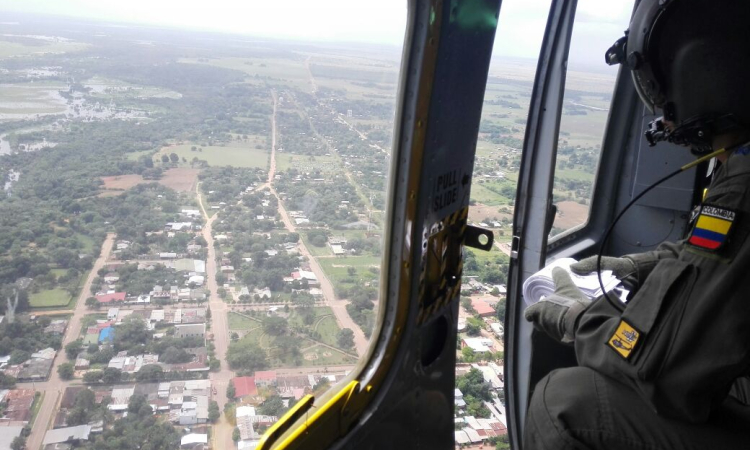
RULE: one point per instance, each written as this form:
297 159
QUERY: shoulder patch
624 340
711 228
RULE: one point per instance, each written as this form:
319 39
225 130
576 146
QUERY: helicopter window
212 180
588 92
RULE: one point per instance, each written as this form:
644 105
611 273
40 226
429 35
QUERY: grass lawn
338 273
36 406
286 161
481 194
313 354
328 329
235 154
238 322
314 250
50 298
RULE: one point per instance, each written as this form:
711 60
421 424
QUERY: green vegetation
50 298
235 154
20 339
475 391
139 429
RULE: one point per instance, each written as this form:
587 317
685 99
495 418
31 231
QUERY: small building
7 435
244 386
265 378
112 277
56 327
69 435
47 353
194 441
116 297
192 329
112 313
478 345
482 308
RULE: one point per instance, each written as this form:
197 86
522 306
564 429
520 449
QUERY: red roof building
482 308
244 386
109 298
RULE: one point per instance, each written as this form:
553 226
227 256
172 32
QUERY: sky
520 30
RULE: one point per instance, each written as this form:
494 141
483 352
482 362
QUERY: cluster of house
473 430
185 403
471 285
250 391
173 293
39 365
187 322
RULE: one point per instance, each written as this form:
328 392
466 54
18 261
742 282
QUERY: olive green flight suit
658 374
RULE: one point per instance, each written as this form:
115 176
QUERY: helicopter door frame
533 205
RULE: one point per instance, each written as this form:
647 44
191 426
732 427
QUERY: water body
4 145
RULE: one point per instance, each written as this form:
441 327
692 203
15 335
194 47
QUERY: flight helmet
690 59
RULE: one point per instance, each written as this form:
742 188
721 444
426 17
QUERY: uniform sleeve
646 261
684 337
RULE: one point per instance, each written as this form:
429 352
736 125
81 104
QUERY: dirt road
54 386
338 306
222 430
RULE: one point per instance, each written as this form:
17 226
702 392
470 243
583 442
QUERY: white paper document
541 284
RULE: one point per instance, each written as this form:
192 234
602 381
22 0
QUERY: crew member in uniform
667 369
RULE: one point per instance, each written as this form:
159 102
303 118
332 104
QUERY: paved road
54 387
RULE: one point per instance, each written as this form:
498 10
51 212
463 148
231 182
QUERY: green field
13 49
235 154
337 268
284 71
241 323
286 161
39 98
314 250
313 354
50 298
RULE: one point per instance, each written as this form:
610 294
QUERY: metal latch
479 238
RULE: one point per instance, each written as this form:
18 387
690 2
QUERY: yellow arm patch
624 340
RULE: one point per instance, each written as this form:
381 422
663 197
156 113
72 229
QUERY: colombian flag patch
711 228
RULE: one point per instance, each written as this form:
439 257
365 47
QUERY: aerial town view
191 229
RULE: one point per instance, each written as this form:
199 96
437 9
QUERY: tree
213 412
174 158
246 355
164 158
111 375
273 406
7 381
474 326
65 370
231 393
93 376
131 333
345 338
275 326
92 303
73 349
236 436
19 443
150 372
174 355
